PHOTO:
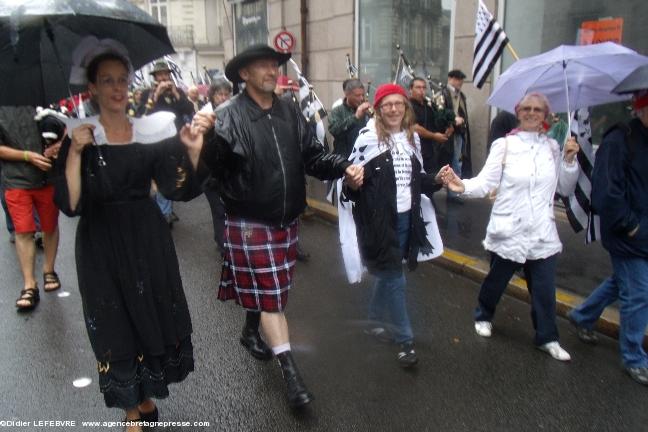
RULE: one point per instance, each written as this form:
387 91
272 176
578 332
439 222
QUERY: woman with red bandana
392 220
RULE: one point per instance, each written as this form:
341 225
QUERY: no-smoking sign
284 41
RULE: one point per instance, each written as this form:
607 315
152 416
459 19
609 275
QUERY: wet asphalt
462 383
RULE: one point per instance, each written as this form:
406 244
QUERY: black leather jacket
259 158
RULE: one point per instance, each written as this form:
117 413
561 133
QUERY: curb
476 270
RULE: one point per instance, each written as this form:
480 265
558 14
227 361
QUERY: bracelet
25 156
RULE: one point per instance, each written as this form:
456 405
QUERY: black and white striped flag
490 41
578 205
311 106
176 74
138 78
352 70
404 73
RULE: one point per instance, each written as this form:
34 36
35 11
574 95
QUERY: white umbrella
571 77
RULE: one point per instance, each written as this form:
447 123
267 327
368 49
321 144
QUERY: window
251 24
420 27
537 26
365 36
159 11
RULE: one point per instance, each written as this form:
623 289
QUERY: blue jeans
541 287
166 206
587 313
632 282
389 291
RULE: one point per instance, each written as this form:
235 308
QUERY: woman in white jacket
525 169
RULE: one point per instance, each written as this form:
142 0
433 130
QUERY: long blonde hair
408 122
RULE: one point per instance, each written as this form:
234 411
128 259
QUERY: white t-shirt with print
403 172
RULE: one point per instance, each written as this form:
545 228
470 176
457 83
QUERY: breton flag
352 70
176 74
578 205
490 41
404 71
138 78
311 106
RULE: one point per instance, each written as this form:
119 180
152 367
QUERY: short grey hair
352 84
535 95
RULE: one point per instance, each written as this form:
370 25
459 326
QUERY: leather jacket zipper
283 171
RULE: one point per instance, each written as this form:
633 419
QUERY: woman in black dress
134 306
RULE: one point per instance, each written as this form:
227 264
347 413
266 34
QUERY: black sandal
29 295
51 278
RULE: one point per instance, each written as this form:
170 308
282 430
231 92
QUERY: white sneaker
556 351
484 328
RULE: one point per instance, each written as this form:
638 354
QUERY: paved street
462 383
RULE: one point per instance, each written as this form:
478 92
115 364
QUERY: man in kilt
258 153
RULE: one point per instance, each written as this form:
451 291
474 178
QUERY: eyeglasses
111 82
535 110
390 105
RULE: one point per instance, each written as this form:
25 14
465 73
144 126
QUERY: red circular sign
284 41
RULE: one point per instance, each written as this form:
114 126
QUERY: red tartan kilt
258 264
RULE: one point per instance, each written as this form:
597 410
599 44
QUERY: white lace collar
146 130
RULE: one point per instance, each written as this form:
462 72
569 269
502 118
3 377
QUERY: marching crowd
120 170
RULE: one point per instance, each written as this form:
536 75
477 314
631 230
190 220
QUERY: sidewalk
461 225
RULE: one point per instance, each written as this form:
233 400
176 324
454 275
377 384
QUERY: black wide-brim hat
252 53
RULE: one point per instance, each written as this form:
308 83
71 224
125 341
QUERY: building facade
435 35
195 28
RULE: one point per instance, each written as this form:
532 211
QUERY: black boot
251 339
298 395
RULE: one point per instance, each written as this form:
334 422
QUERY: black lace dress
134 305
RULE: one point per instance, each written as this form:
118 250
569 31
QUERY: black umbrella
37 38
637 80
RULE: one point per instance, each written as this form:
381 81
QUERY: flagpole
569 114
512 51
400 59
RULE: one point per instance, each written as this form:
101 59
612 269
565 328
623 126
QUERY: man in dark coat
166 96
347 119
432 131
458 153
620 198
259 152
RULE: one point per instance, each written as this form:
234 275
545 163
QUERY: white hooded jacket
522 224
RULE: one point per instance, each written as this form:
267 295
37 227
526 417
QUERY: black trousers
218 215
540 276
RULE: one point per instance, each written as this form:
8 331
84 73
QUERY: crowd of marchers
248 147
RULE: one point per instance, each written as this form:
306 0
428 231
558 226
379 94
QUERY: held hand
191 138
571 149
82 136
459 120
354 176
439 178
451 180
362 109
203 121
449 131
